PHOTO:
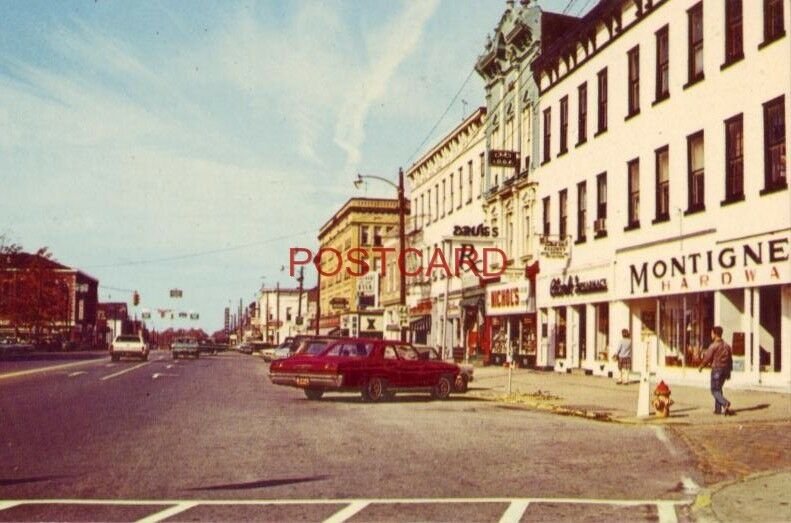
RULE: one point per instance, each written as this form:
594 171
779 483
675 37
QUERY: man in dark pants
719 356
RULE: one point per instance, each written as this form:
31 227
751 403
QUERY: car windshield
312 347
405 352
127 338
350 350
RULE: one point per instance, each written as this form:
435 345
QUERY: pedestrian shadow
760 406
265 483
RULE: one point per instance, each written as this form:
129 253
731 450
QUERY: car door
412 369
392 366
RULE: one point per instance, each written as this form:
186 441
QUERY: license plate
303 382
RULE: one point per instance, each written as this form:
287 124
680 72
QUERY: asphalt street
212 439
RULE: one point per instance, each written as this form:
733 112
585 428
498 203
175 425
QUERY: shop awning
472 301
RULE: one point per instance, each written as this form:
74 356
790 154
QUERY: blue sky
189 144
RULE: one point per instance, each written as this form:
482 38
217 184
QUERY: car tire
197 355
375 389
175 356
114 357
461 384
314 394
442 389
145 357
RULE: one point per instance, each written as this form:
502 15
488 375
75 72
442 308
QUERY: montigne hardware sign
747 263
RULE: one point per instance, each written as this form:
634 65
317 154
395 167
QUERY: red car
375 368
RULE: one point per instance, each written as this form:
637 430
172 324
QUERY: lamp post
401 232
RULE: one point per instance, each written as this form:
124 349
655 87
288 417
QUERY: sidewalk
600 398
744 459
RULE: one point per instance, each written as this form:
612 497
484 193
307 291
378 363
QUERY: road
161 435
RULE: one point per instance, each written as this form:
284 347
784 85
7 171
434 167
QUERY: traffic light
136 298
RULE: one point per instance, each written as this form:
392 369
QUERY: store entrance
582 334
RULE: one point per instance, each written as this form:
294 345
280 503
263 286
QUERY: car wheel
442 389
145 357
175 356
374 390
461 383
314 394
197 355
115 357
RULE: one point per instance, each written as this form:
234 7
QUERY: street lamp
401 232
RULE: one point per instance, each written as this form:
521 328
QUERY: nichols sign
479 230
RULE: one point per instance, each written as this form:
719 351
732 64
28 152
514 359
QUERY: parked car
245 348
312 345
185 347
464 378
376 369
269 353
128 345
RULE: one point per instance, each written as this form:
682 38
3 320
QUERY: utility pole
401 246
266 337
300 279
277 311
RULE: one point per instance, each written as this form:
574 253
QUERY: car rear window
351 350
127 338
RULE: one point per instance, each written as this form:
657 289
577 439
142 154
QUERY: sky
189 144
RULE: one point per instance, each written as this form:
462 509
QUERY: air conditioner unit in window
600 225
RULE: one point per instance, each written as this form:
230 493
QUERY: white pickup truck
128 345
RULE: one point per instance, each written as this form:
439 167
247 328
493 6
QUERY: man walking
624 357
719 356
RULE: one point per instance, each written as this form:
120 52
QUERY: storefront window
685 324
602 330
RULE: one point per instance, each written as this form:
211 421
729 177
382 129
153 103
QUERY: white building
281 314
663 188
445 189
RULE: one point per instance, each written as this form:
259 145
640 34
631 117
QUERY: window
734 159
564 124
436 202
288 313
547 133
582 114
695 58
662 185
364 240
775 144
634 81
601 206
428 199
633 205
422 214
602 101
545 216
662 65
733 32
444 199
696 188
582 206
469 187
461 186
482 175
562 201
452 195
377 236
773 21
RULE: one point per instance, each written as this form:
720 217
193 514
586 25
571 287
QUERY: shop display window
685 324
560 333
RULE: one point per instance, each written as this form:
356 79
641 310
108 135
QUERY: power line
445 113
197 254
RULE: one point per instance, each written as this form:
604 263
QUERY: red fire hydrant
662 401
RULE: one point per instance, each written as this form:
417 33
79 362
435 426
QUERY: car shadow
400 398
34 479
264 483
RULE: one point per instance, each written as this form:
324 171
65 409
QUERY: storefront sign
480 230
746 264
573 285
502 158
554 248
423 307
339 303
509 298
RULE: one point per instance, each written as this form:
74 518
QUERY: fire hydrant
662 401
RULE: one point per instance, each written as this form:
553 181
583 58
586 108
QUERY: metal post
401 245
277 312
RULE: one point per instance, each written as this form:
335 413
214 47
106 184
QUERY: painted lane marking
690 487
158 375
164 514
130 369
46 369
667 513
660 434
515 511
8 504
347 512
169 366
77 373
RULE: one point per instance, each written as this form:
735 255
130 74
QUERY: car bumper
307 381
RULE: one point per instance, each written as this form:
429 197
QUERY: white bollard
643 396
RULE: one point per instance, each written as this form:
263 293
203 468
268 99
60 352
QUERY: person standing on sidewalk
719 356
624 357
